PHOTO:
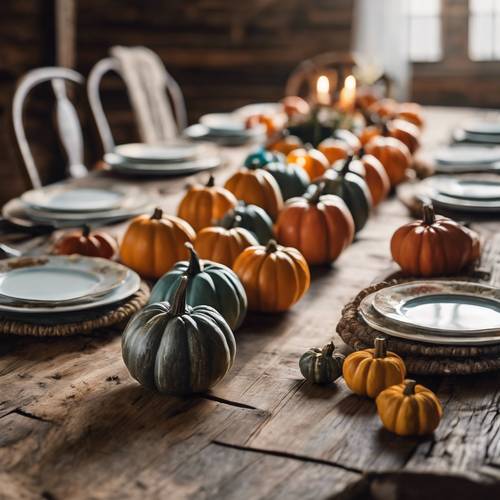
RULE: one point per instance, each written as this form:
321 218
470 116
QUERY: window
424 18
484 30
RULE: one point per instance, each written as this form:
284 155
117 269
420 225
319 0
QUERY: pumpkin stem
85 230
409 389
313 194
429 217
271 246
195 266
384 128
347 163
178 306
211 182
380 347
328 349
157 214
361 152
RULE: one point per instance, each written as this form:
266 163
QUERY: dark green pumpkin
261 157
321 366
351 188
209 284
178 349
292 179
253 218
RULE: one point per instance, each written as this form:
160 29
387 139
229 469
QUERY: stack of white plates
226 129
464 194
457 159
480 132
436 312
52 289
65 205
167 159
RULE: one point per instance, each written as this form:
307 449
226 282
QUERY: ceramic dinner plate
174 152
60 198
483 127
467 155
57 279
229 124
199 132
470 189
373 319
125 290
442 307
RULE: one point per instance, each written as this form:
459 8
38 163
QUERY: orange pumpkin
85 242
258 187
334 149
274 277
223 244
394 156
202 205
412 112
314 162
267 121
434 247
385 108
406 132
320 227
286 144
153 244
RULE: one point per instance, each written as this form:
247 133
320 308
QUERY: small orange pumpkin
320 227
412 112
334 149
394 156
384 108
406 132
314 162
202 205
370 371
258 187
286 144
409 409
153 244
434 247
224 244
274 277
85 242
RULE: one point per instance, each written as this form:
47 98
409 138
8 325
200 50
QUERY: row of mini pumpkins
404 407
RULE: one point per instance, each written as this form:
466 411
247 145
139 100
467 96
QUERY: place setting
172 158
457 159
478 132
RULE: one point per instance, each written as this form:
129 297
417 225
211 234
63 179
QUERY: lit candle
323 91
347 95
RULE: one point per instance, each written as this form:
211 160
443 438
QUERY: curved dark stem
361 152
384 128
346 165
178 307
85 230
195 266
328 349
429 217
157 214
271 246
312 196
211 181
409 389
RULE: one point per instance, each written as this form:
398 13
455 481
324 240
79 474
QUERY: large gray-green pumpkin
351 188
253 218
209 284
321 366
178 349
291 179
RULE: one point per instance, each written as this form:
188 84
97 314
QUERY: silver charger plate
442 307
171 152
126 289
50 280
373 319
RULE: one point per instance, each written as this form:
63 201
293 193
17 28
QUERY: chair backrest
173 95
68 123
303 78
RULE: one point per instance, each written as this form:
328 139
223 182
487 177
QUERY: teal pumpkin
321 366
261 157
251 217
292 179
351 188
209 284
178 349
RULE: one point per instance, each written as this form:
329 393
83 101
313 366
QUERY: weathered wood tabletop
74 424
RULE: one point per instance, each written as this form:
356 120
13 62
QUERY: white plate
460 135
259 108
62 198
58 279
160 153
442 307
483 127
230 124
198 132
126 289
470 189
463 155
379 323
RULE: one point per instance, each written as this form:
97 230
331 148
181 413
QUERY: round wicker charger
420 358
77 323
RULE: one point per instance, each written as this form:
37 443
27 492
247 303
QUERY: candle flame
323 85
350 82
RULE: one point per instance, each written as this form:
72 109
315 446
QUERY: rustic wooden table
74 424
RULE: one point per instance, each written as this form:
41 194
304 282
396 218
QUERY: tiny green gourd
209 283
253 218
178 349
321 366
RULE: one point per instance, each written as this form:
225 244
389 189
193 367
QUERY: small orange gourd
87 242
370 371
201 205
153 244
434 247
274 277
314 162
409 409
286 144
334 149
